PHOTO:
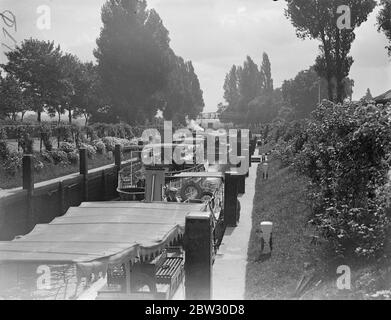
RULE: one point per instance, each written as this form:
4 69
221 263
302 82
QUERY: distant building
209 116
209 120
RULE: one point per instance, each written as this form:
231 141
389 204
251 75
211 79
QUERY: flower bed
49 164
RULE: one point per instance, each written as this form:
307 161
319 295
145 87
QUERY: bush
48 144
73 157
91 151
110 143
67 147
63 133
59 157
37 164
91 134
119 130
47 157
99 146
285 153
26 142
345 155
3 143
4 151
3 134
46 134
77 132
12 163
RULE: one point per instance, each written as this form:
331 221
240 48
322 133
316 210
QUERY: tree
266 75
36 65
89 99
64 91
304 92
231 88
249 93
197 101
368 96
221 107
173 97
317 19
348 85
12 98
265 107
384 21
133 57
73 89
232 96
182 96
249 84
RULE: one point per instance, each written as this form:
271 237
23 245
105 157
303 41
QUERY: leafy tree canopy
384 21
133 57
316 19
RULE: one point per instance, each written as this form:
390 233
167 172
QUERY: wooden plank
143 205
199 175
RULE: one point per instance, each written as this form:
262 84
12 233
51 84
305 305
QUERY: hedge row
345 151
66 154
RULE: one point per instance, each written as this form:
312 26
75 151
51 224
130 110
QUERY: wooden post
138 150
242 184
217 150
198 256
117 160
162 148
28 173
103 185
205 148
117 156
28 184
250 148
241 179
84 171
248 159
231 199
194 148
239 143
249 155
228 145
83 165
40 143
61 198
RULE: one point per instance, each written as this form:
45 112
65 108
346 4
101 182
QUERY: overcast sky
214 34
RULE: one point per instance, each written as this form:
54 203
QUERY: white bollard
266 229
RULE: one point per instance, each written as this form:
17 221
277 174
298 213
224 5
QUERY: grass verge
282 200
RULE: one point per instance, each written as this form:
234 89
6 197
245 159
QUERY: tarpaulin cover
95 236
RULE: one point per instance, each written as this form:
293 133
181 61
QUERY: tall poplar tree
133 57
321 20
266 75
